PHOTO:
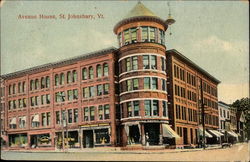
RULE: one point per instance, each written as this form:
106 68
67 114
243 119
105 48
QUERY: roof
140 13
223 103
140 10
68 61
191 63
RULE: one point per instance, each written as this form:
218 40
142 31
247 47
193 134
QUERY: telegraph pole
203 116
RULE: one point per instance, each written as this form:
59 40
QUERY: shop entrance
134 134
88 139
153 132
185 136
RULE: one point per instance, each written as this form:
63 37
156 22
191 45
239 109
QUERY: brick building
136 95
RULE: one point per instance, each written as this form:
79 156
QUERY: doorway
185 136
153 131
88 141
134 134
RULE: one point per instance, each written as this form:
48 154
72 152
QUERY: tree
243 105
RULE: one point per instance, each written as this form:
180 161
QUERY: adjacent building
138 95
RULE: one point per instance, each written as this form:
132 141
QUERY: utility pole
62 120
203 115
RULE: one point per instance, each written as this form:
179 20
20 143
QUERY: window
20 105
133 34
85 92
165 108
14 89
74 79
91 72
128 64
44 122
61 78
36 100
43 99
47 81
48 118
105 69
48 98
14 104
135 84
144 34
99 90
126 36
129 109
106 111
154 83
136 108
56 80
70 116
162 37
91 91
163 64
120 39
86 114
134 62
129 86
24 102
147 83
106 89
145 62
75 94
152 34
155 108
57 117
92 113
69 77
147 106
163 84
153 62
75 115
10 88
99 71
19 87
84 73
70 95
42 82
100 112
36 84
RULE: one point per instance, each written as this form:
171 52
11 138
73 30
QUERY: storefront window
102 136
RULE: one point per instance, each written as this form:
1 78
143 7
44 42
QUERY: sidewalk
117 150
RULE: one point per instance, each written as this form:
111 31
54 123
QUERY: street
238 152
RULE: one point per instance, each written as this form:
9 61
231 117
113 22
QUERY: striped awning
215 133
206 133
231 133
169 132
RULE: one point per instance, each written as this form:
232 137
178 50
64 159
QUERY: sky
213 34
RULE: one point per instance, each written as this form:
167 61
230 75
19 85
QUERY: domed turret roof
139 10
140 13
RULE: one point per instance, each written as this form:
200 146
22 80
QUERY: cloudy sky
213 34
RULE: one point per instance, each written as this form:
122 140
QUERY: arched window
105 69
10 89
91 72
36 84
68 77
19 87
56 80
74 79
62 78
47 81
42 82
32 85
24 87
84 73
99 71
14 89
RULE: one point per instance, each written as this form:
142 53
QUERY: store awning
36 118
169 132
206 133
13 121
215 133
231 133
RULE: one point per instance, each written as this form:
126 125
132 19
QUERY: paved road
236 153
